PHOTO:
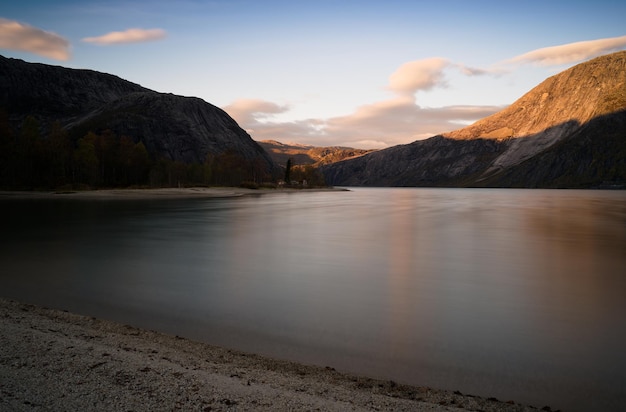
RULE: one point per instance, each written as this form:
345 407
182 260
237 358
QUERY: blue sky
367 74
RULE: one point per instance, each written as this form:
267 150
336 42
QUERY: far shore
172 193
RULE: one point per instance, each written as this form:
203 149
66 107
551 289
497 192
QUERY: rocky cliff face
569 112
174 127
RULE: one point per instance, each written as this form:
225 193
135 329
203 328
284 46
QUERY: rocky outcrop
173 127
567 112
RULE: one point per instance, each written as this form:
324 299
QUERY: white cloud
401 120
386 123
127 36
397 120
418 75
570 53
22 37
251 111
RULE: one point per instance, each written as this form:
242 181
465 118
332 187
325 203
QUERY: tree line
36 157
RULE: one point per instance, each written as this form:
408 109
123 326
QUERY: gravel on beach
52 360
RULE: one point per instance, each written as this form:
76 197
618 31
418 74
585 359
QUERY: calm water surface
517 294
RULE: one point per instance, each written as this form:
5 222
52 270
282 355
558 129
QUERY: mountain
171 127
308 155
569 131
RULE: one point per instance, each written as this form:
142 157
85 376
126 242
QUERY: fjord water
515 294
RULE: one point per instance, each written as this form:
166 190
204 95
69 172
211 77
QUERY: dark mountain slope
171 127
175 127
438 161
577 110
592 157
54 92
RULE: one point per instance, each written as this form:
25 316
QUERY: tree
7 151
107 149
86 161
310 174
124 161
288 171
229 168
26 152
139 164
60 152
158 174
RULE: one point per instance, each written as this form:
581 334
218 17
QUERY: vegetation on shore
40 157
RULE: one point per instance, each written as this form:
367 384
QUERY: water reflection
509 293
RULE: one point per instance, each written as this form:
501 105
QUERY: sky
364 74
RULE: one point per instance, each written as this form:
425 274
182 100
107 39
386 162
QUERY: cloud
418 75
127 36
252 111
386 123
570 53
22 37
399 119
475 71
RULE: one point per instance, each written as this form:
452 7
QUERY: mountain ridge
177 128
556 111
302 154
564 119
50 90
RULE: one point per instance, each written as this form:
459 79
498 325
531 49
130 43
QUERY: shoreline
158 193
56 360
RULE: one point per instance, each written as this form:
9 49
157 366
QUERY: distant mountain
569 131
308 155
171 127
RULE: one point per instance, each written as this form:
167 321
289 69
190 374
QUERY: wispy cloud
385 123
570 53
476 71
389 122
127 36
22 37
417 75
251 111
401 120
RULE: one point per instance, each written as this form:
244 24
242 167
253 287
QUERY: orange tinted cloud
22 37
401 120
570 53
249 111
397 120
389 122
127 36
418 75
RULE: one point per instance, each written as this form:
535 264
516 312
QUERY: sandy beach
52 360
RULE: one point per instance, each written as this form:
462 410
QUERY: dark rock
174 127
